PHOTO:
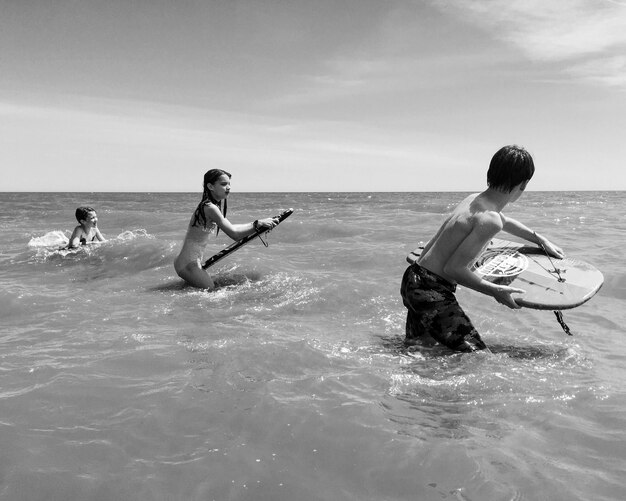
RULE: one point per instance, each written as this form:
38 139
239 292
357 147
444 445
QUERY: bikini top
209 228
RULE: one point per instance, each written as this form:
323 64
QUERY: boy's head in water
86 214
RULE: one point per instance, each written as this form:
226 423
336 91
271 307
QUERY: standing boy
429 284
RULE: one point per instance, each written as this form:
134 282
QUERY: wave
130 251
614 286
51 239
297 232
244 290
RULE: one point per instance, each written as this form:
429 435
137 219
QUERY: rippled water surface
291 381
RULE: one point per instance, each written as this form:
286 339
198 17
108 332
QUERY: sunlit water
291 381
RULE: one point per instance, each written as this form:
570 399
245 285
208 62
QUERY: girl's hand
267 223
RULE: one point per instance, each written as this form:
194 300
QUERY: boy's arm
460 262
75 238
514 227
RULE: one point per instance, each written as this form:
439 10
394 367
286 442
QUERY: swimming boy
87 230
429 284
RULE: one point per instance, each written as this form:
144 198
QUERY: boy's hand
550 248
554 250
503 296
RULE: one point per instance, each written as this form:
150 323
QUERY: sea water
290 382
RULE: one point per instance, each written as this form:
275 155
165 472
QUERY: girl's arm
236 231
99 236
514 227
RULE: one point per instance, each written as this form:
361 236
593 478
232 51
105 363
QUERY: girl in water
209 218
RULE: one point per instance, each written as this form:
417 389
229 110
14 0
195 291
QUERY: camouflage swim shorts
435 312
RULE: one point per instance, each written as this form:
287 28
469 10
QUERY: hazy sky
309 95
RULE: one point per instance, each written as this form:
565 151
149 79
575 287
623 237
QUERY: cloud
344 78
610 71
100 145
411 50
586 36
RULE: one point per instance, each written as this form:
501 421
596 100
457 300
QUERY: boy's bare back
463 236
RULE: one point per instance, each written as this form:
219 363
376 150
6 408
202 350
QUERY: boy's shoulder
487 223
488 216
483 211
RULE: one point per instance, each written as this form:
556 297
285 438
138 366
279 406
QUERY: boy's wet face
91 219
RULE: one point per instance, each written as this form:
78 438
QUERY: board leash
266 241
559 319
557 313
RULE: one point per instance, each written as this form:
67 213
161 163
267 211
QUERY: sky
302 95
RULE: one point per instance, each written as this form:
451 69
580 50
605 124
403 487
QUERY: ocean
291 382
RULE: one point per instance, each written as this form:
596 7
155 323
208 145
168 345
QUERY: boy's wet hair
82 213
510 166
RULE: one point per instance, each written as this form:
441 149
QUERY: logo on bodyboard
496 263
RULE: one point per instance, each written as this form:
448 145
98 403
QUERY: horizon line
303 191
